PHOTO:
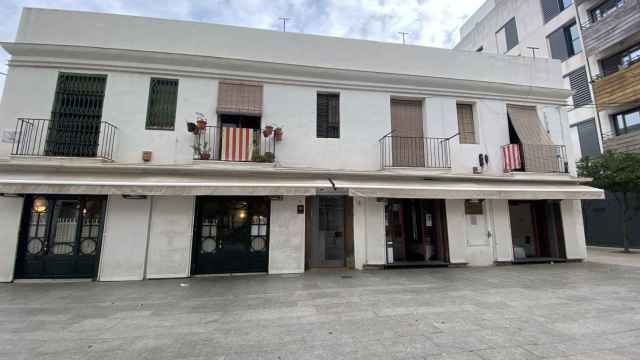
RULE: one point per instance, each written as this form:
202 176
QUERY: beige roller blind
524 120
539 151
240 97
466 127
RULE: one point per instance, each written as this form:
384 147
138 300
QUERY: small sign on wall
300 209
9 136
473 207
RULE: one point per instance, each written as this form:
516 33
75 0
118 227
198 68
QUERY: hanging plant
279 134
201 121
268 130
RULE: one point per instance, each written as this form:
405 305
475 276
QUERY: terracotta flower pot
201 124
205 156
279 134
268 130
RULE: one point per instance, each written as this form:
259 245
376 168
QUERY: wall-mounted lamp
40 205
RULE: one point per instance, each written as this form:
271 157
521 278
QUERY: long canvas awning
248 185
469 190
159 185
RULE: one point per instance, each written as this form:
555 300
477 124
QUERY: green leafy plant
201 150
618 173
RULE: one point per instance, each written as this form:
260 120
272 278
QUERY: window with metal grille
328 116
163 97
580 86
466 126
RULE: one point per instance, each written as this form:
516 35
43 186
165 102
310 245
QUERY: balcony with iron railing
618 24
234 144
64 138
415 152
535 158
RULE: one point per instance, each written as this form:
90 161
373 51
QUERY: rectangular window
565 42
551 8
627 121
580 86
605 9
328 116
511 33
466 126
621 60
163 97
588 137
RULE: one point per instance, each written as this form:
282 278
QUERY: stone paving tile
573 311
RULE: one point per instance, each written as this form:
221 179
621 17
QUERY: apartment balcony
613 28
629 142
234 144
621 87
64 138
415 152
535 158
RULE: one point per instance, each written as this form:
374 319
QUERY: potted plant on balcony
279 134
268 130
201 121
201 151
269 157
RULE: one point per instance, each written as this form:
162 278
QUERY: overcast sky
428 22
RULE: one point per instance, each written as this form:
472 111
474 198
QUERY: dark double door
60 237
231 235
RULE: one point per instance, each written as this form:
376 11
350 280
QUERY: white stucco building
316 152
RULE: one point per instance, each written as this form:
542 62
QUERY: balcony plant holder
279 134
268 130
201 124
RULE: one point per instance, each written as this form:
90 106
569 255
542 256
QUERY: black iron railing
234 144
406 151
66 138
536 158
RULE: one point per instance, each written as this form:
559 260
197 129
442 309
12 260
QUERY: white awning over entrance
428 189
157 185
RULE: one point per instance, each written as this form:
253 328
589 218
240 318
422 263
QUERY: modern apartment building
598 42
138 148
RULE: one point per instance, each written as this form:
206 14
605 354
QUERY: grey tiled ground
562 311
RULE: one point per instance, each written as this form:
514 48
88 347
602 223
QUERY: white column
375 232
10 214
359 233
502 239
170 236
124 240
457 241
573 227
287 236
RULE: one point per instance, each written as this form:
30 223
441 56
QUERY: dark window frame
153 123
619 59
625 129
595 13
571 48
564 34
553 8
505 27
327 128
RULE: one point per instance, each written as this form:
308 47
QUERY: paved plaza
560 311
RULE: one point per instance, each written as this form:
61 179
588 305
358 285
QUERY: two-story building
140 148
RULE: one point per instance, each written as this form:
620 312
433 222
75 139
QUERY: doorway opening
231 235
329 237
60 236
536 230
416 232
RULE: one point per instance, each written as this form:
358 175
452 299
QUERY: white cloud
428 22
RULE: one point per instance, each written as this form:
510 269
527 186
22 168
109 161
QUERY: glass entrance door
231 235
328 239
60 237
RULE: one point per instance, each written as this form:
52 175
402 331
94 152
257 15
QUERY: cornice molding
147 62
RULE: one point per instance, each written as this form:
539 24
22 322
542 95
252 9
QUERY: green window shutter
163 97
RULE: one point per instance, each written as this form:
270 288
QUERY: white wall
286 238
573 227
456 232
501 225
124 240
10 215
170 236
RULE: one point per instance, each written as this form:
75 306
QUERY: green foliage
613 171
